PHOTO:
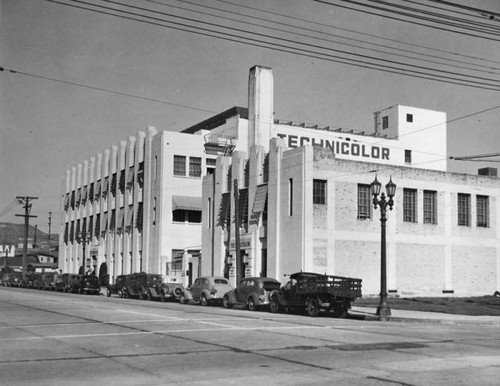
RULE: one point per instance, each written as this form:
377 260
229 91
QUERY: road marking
157 332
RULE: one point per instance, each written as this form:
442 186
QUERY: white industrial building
164 202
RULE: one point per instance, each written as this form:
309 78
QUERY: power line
19 72
487 37
454 54
454 62
414 71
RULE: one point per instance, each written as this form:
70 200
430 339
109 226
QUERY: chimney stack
260 107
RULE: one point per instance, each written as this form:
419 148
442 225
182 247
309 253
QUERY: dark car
117 287
253 292
205 290
87 284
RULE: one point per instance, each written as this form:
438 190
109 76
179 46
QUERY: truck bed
334 285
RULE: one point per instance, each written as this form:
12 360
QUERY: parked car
253 292
68 282
171 289
205 290
117 287
87 284
48 281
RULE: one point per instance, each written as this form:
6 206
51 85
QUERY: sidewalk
367 313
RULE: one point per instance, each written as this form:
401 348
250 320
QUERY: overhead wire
453 62
454 54
353 8
418 71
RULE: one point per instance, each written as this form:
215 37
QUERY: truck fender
231 296
153 292
277 294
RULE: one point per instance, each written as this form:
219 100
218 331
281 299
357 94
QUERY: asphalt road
49 338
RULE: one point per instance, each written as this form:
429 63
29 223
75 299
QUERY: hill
12 234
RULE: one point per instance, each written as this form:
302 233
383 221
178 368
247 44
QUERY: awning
186 203
223 210
119 224
259 203
129 217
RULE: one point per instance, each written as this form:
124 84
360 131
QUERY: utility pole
50 223
239 263
25 201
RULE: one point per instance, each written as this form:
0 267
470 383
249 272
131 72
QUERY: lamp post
383 309
84 238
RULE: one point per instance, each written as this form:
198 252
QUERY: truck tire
203 300
108 292
275 305
149 297
251 304
339 310
312 307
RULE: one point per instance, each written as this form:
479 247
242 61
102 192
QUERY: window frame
320 192
364 203
482 211
179 167
463 209
410 197
430 207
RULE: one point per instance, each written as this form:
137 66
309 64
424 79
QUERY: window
290 196
430 207
179 165
154 211
463 209
483 211
409 205
408 156
409 117
211 165
385 122
189 216
364 202
319 192
194 167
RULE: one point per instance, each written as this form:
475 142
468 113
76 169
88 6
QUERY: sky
77 82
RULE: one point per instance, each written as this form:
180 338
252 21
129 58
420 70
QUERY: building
167 202
299 199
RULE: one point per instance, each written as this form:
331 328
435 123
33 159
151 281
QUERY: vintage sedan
253 293
206 290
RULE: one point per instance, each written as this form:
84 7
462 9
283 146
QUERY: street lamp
383 309
84 238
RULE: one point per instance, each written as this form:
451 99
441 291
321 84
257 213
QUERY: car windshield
91 279
221 281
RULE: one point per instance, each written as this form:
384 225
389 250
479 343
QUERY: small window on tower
408 156
409 117
385 122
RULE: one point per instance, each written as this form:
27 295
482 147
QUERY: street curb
454 322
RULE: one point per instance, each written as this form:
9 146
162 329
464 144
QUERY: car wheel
203 300
120 293
312 307
251 304
182 299
275 305
226 303
178 292
149 297
141 295
162 297
108 292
